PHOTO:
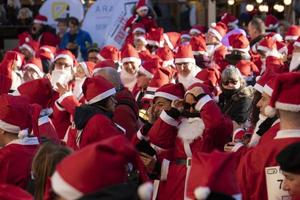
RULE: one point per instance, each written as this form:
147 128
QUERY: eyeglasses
188 106
234 82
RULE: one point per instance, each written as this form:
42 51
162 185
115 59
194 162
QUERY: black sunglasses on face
230 81
188 106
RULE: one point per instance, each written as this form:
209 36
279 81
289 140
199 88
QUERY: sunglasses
188 106
234 82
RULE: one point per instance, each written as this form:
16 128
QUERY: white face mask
77 90
61 76
295 61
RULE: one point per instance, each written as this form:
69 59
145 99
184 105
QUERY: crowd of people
208 113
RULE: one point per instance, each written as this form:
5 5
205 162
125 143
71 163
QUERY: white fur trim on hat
268 90
194 30
144 71
202 102
132 59
142 8
201 193
270 111
287 106
234 23
29 48
196 53
263 48
139 29
185 60
167 119
64 189
166 95
49 51
245 50
145 191
65 56
142 38
216 33
291 37
102 96
168 62
272 26
155 43
85 69
140 136
36 21
296 44
168 41
9 127
35 68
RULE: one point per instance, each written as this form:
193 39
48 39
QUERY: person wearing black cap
289 162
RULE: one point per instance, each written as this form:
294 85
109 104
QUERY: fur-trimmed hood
246 92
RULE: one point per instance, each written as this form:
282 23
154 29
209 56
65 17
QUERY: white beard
255 138
190 79
60 76
77 90
210 49
129 80
191 129
295 61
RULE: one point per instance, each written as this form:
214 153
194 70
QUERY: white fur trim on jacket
167 119
289 133
202 102
164 169
145 191
62 97
201 192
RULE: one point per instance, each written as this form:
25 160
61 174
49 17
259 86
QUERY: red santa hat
275 36
32 46
209 74
36 65
96 89
161 77
197 29
11 192
239 42
208 176
185 35
37 91
6 70
206 89
269 86
47 52
171 39
110 52
271 22
297 43
88 67
40 19
184 54
141 5
107 159
102 64
247 68
266 44
149 67
129 54
155 37
262 80
292 33
285 94
138 27
24 37
66 54
198 45
218 30
170 91
166 54
282 48
229 20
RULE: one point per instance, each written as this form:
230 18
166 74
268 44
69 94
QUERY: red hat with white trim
96 89
275 36
129 54
36 65
171 39
32 46
247 68
161 77
166 54
292 33
66 54
47 52
88 67
149 67
185 35
40 19
110 52
210 74
107 159
206 89
269 86
198 45
239 42
229 20
267 44
285 94
184 54
155 37
218 30
271 22
38 91
138 27
208 176
12 192
24 37
297 43
197 29
170 91
102 64
260 83
282 48
141 5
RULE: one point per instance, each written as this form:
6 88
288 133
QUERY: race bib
274 180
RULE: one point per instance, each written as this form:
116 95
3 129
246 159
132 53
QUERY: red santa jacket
15 161
48 38
147 21
252 172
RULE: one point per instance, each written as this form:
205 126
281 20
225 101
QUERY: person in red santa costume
257 172
17 119
195 124
214 36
